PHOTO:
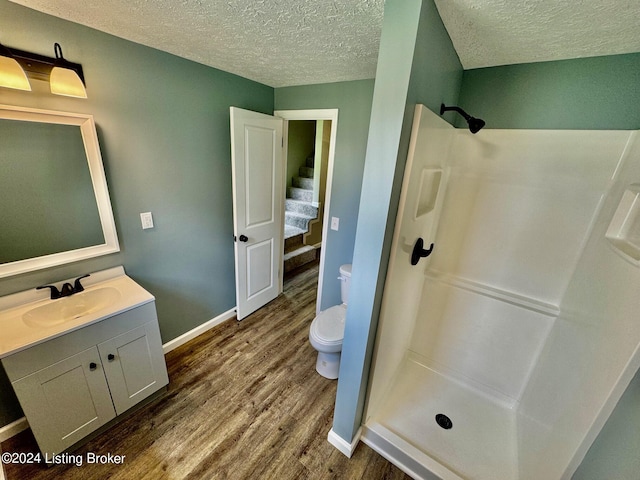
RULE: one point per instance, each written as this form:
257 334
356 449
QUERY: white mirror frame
96 169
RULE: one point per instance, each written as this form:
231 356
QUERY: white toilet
327 330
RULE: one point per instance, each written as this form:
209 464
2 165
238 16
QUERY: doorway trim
321 114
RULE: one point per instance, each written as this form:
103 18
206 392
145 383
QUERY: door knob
243 238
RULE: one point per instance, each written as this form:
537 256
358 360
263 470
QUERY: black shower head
475 124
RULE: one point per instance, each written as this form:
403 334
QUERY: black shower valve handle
419 251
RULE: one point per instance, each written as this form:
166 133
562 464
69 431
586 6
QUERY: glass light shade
12 75
64 81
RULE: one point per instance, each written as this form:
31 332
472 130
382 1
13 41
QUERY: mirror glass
53 192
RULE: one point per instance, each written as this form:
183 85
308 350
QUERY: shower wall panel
523 305
518 210
592 351
487 343
421 200
519 207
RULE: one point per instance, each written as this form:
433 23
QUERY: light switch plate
147 220
335 223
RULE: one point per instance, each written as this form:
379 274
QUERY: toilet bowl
327 330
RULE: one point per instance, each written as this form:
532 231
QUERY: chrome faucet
67 289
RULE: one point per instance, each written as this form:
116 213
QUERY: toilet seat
327 329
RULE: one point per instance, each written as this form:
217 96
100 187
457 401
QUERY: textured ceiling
502 32
297 42
275 42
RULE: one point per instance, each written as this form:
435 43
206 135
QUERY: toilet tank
345 278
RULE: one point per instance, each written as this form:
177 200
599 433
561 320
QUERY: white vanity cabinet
73 384
66 401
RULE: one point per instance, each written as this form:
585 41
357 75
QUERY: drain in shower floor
444 421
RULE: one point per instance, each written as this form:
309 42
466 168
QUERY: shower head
475 124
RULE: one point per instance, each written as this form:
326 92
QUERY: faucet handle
55 293
67 290
77 286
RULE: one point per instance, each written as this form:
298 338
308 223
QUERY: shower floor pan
481 443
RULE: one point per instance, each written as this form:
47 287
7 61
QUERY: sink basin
29 318
75 306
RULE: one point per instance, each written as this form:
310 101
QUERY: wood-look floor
244 402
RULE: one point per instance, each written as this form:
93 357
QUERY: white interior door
257 173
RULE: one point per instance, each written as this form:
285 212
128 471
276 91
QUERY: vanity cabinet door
134 365
66 401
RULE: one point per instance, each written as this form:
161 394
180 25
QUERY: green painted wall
596 93
614 453
353 101
302 142
163 126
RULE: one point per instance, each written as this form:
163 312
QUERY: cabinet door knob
92 366
111 357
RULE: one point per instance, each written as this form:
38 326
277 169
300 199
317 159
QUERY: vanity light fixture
64 80
64 77
11 73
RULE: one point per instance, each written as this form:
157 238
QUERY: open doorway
309 144
306 179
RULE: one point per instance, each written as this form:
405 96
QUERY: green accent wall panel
598 93
353 101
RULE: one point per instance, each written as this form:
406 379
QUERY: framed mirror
54 202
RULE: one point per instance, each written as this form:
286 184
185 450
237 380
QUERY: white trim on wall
342 445
199 330
323 114
13 429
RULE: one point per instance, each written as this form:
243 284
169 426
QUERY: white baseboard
342 445
13 428
199 330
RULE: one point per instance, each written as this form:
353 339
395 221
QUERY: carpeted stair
299 211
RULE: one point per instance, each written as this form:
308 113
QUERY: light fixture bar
39 66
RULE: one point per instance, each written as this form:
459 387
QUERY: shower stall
502 353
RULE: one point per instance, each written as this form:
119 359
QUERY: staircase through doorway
299 213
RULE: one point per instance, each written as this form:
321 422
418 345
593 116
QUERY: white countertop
16 335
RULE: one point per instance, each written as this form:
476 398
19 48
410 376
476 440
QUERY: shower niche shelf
428 191
624 230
